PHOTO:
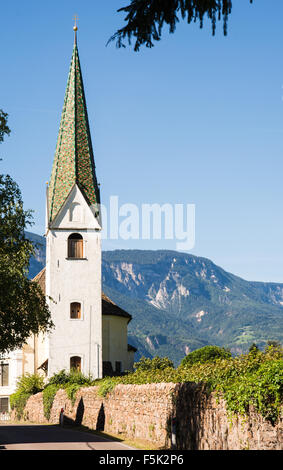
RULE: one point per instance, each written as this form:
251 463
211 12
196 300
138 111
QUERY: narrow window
75 310
4 405
75 363
75 213
75 246
4 375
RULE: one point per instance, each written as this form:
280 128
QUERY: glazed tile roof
73 162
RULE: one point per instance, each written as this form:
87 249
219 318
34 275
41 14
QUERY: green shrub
48 397
75 377
71 390
30 384
258 384
27 385
106 386
207 353
18 402
61 378
157 363
254 379
244 381
254 349
69 381
274 350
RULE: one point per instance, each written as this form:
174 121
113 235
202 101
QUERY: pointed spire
73 162
75 28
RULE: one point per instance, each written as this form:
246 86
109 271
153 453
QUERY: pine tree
146 18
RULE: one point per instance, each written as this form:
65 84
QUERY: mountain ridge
180 302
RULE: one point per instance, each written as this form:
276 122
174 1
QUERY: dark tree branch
4 129
146 18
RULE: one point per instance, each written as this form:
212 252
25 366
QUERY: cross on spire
76 18
75 28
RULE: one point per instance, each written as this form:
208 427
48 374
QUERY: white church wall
75 280
115 345
34 354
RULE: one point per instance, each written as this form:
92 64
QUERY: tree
274 348
254 349
207 353
156 363
146 18
4 129
23 309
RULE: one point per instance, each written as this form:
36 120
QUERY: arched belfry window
75 363
75 246
75 310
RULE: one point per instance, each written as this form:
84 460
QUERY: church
90 331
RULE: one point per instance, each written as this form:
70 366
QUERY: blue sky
195 120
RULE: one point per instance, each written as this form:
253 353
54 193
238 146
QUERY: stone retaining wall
148 411
204 424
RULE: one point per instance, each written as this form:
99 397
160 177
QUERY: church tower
73 236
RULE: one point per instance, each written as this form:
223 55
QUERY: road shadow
28 434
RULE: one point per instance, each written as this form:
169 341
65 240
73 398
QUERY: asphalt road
40 437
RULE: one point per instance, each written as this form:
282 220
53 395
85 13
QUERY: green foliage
30 383
252 380
71 382
146 18
23 309
71 390
106 386
207 353
156 363
18 402
27 385
77 377
61 378
48 398
249 380
4 129
72 377
254 349
273 349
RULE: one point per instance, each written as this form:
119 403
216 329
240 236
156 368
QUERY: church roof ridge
74 160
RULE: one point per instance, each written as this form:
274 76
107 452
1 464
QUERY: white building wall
14 360
115 344
74 280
